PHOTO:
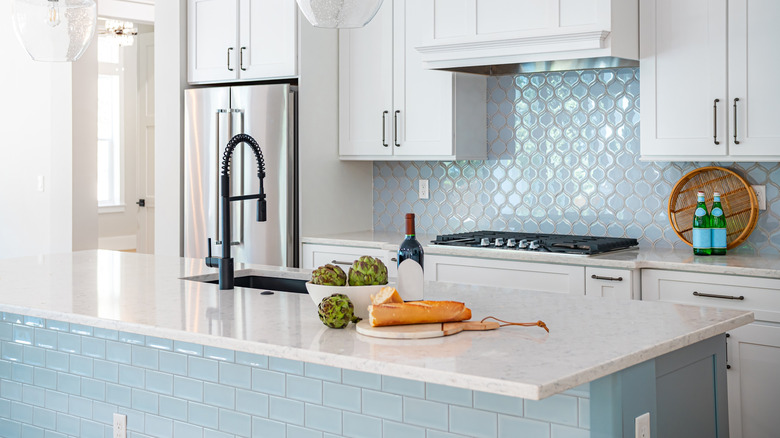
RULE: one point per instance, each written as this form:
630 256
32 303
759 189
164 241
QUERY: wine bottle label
700 212
702 238
717 212
719 238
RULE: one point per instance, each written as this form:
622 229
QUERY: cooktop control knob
485 242
511 242
533 245
499 241
523 244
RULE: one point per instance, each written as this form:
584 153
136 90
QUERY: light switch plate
642 426
423 189
761 195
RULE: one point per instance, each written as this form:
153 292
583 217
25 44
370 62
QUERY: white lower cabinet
753 350
622 284
315 255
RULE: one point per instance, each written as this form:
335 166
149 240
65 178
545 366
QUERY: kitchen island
91 333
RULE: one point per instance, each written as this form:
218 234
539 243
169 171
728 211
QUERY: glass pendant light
55 30
339 14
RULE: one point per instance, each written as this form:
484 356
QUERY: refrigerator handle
239 227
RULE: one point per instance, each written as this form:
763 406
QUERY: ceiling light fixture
339 14
55 30
120 32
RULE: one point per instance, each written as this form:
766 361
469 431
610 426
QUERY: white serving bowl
359 295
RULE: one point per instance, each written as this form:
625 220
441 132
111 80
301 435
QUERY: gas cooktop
553 243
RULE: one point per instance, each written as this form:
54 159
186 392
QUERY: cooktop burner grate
554 243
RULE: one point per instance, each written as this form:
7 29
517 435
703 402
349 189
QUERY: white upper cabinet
390 108
472 33
707 85
241 40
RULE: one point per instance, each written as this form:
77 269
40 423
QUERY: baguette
387 294
417 312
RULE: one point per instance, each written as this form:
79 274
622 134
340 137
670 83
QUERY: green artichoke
337 311
329 275
367 271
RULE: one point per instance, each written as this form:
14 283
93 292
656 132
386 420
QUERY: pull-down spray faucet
225 263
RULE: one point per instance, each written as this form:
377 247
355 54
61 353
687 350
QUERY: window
109 150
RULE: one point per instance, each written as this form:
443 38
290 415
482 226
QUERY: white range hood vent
545 66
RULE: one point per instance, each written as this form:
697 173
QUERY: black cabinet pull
395 127
336 262
230 49
384 128
599 277
715 120
736 99
723 297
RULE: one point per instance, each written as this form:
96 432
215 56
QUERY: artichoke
337 311
329 275
367 271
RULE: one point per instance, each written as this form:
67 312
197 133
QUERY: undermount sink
265 283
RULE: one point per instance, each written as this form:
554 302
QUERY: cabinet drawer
502 273
760 295
315 256
612 283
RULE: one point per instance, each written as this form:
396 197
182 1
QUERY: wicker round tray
740 205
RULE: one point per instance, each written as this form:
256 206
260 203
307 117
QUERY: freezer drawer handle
724 297
336 262
599 277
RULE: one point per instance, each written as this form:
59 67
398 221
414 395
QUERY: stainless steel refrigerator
212 117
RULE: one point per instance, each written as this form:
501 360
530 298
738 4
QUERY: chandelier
54 30
120 32
339 14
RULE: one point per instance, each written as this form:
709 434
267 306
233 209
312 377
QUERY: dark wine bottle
410 247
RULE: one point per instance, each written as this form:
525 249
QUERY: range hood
529 36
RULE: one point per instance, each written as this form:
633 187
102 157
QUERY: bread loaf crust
417 312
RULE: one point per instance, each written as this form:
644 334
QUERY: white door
683 86
754 381
753 86
422 99
212 36
366 87
269 42
145 149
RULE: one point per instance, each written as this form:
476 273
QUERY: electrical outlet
423 189
642 426
120 426
761 195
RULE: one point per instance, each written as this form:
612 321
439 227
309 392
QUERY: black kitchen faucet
225 263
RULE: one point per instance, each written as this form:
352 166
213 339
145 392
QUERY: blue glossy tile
56 401
561 409
22 373
44 418
269 382
181 429
69 343
300 432
202 415
251 402
93 389
104 370
473 422
34 356
361 426
439 434
264 428
58 361
135 420
560 431
322 418
91 428
251 359
10 429
218 353
68 424
380 404
24 335
159 382
80 329
80 407
425 413
6 331
391 429
322 372
219 395
68 383
235 375
29 431
304 389
21 412
45 378
285 365
13 352
203 369
118 395
288 411
188 348
50 434
33 395
34 321
6 370
579 391
101 411
584 413
13 317
359 378
448 394
132 338
209 433
146 357
173 408
174 363
81 365
46 338
340 396
396 385
498 403
159 343
93 347
5 408
132 376
111 335
186 388
11 390
118 352
158 426
235 422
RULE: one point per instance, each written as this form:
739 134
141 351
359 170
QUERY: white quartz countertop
675 260
589 337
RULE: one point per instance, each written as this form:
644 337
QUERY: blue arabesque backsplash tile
563 157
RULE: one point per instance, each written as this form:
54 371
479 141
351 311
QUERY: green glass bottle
702 236
718 226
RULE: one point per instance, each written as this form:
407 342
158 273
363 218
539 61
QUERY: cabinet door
315 256
212 34
422 99
366 87
269 39
753 63
621 284
754 381
683 63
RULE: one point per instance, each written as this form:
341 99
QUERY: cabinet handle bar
336 262
715 121
736 99
395 127
230 49
724 297
384 128
242 59
600 277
